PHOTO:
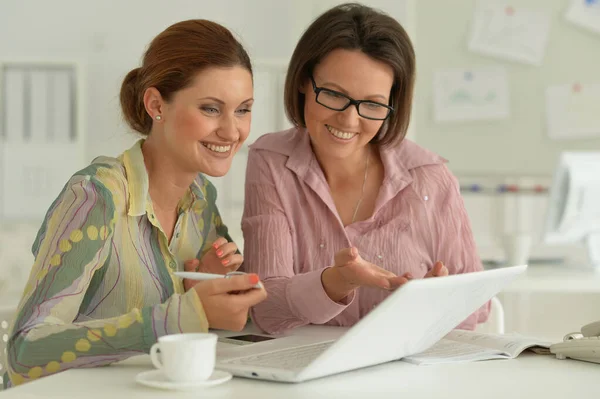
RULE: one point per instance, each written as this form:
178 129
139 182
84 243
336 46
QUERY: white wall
108 37
518 145
514 150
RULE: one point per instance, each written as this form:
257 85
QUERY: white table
549 301
527 376
549 278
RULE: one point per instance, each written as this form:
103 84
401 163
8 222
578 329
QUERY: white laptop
409 321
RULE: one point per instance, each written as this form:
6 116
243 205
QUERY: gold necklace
362 194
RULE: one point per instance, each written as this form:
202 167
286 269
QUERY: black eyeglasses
337 101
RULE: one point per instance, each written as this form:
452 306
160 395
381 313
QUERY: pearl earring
158 117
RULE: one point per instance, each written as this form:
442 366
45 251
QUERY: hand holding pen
227 299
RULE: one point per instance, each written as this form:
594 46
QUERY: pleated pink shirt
292 230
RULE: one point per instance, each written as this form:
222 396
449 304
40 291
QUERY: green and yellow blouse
102 286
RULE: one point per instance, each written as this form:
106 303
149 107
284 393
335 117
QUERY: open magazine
469 346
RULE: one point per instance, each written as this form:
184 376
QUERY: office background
93 44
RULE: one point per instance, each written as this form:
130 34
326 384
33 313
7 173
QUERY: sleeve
71 251
293 299
454 243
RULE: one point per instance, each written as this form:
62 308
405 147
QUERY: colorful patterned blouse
102 288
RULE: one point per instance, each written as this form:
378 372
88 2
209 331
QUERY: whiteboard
41 140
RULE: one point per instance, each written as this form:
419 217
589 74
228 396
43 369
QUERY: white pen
211 276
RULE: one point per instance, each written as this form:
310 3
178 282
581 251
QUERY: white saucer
157 379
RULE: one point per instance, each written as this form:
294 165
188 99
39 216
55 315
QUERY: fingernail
215 245
219 253
225 262
353 252
254 279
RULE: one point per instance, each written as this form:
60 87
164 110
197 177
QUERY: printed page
510 344
448 351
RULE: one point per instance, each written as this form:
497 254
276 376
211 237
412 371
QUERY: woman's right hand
226 301
351 271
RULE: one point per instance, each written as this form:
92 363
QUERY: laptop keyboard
286 359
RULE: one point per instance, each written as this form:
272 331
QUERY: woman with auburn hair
341 209
102 286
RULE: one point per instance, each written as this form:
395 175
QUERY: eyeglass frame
351 101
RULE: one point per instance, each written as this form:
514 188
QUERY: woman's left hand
438 270
222 258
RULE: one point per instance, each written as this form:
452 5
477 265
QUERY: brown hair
172 61
353 26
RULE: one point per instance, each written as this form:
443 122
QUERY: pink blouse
292 230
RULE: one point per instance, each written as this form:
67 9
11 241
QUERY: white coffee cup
185 357
517 247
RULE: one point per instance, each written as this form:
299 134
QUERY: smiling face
205 124
340 134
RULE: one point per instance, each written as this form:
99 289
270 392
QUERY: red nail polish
225 262
215 245
219 253
254 279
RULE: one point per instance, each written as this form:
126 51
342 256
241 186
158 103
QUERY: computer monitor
574 204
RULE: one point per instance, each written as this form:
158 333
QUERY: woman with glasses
342 209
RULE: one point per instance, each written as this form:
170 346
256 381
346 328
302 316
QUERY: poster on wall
585 13
471 94
573 111
500 29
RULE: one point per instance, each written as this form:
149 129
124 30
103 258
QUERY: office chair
495 322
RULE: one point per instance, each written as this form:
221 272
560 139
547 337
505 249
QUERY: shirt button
380 256
321 245
172 264
426 197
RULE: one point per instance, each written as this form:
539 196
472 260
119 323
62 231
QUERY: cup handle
154 356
